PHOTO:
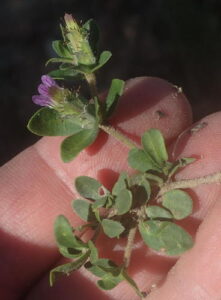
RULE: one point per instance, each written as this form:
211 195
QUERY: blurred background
178 40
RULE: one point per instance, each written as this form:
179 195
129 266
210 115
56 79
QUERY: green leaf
66 73
165 236
67 268
97 214
74 144
88 187
139 160
154 145
154 211
48 122
83 209
60 49
104 57
123 201
179 203
64 234
94 252
59 60
101 202
108 265
115 91
103 267
112 228
120 184
94 269
93 34
97 110
69 245
154 178
109 282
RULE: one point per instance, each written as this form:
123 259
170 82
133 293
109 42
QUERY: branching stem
190 183
118 135
129 246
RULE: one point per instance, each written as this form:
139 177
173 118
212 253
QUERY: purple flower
47 92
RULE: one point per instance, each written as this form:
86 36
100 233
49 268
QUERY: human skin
36 186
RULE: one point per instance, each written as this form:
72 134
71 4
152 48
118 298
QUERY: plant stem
96 233
91 80
190 183
118 135
128 248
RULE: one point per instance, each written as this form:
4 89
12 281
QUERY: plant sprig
149 201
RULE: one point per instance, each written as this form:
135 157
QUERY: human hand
36 186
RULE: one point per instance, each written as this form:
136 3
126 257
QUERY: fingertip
150 102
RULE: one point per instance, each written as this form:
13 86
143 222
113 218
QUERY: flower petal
48 81
43 90
41 100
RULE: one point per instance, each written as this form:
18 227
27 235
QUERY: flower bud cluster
56 97
77 40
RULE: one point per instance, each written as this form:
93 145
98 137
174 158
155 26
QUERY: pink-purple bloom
47 90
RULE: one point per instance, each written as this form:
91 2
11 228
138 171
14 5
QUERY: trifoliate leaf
154 145
88 187
75 143
112 228
123 201
178 202
165 236
48 122
121 183
154 211
67 268
115 91
83 209
69 245
139 160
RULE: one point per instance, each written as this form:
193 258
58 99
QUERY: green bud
77 39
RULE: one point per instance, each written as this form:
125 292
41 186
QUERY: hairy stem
128 249
118 135
190 183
